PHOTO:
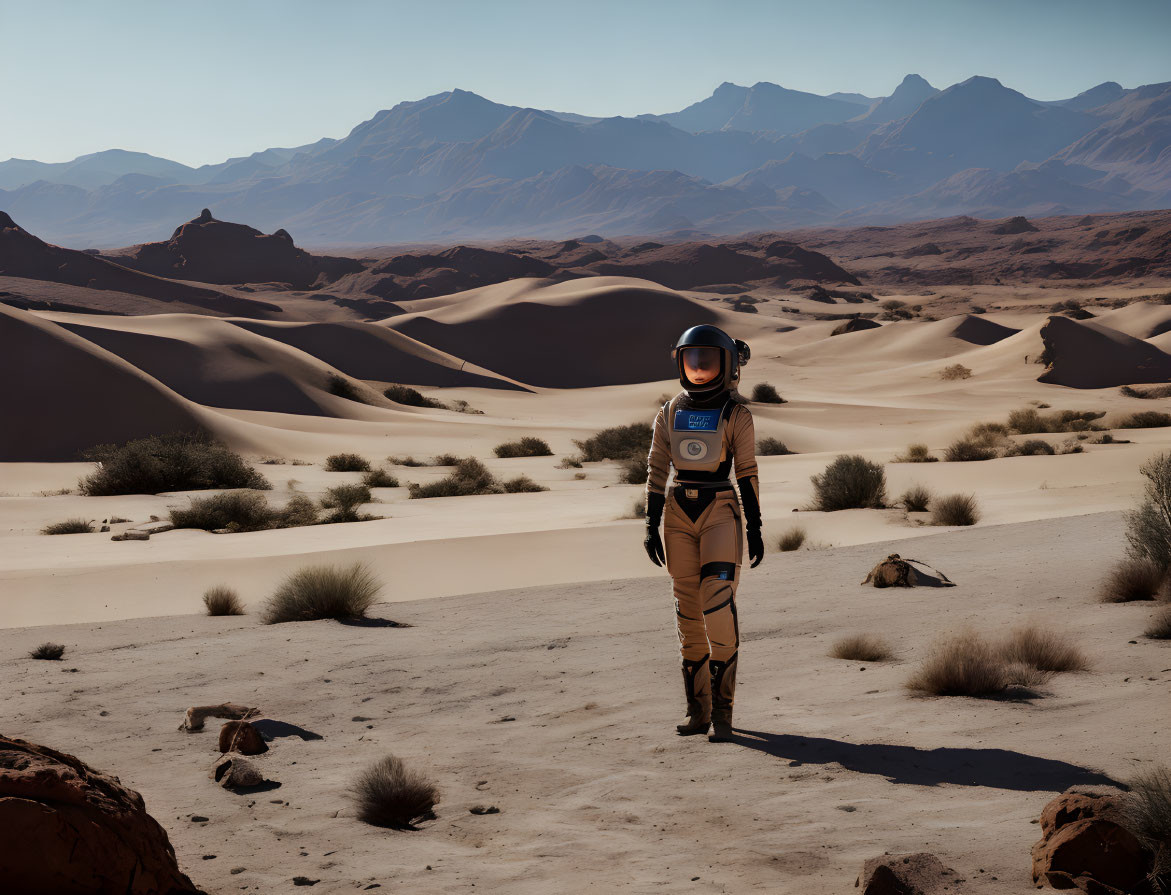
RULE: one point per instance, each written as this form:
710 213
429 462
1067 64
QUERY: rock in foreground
915 874
1085 846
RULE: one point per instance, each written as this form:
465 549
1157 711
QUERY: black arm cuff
749 502
654 508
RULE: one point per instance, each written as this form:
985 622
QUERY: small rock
242 737
236 870
131 536
304 881
484 809
914 874
198 819
234 772
104 528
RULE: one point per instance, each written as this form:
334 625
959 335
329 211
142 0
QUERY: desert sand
539 673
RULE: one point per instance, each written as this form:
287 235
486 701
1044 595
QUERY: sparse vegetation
1031 447
177 462
916 499
388 794
49 651
765 393
966 665
235 511
634 471
772 447
1044 650
402 394
526 447
617 443
955 509
792 539
850 481
406 461
346 463
222 600
1132 578
861 648
379 478
637 509
966 450
569 463
300 510
445 460
1157 391
1160 626
1147 815
462 406
1148 528
1145 419
344 388
954 372
345 500
916 453
896 310
1028 421
76 526
522 484
318 592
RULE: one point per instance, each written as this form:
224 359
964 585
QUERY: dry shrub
1043 650
177 462
1158 391
617 442
522 484
850 481
966 665
1148 527
569 463
861 648
317 592
405 461
388 794
1132 578
346 463
49 651
345 500
916 453
222 600
1031 447
772 447
965 450
955 509
344 388
1028 421
401 394
300 510
1147 815
526 447
792 539
77 526
1145 419
379 478
471 477
637 509
916 499
953 372
233 510
1160 626
764 393
634 471
444 460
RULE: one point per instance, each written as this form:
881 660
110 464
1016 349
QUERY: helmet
709 360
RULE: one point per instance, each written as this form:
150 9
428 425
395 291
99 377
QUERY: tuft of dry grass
916 499
861 648
1146 814
634 471
955 509
792 539
1160 626
317 592
344 501
850 481
967 665
772 447
916 453
1130 579
522 484
617 443
967 450
388 794
528 446
222 600
1043 650
1145 419
379 478
346 463
69 527
766 393
49 651
233 510
953 372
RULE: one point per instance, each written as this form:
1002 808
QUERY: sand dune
1089 355
1142 319
907 340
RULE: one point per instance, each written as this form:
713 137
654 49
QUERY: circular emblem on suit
694 449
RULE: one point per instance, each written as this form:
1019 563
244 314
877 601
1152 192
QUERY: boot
698 692
723 688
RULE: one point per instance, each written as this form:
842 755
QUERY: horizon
352 76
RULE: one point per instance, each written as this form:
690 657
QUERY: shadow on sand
996 768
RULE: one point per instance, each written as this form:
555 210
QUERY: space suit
702 432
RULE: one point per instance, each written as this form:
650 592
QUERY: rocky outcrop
71 830
1085 845
915 874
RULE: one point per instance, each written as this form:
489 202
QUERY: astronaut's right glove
751 520
654 514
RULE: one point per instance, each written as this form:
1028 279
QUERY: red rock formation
915 874
242 737
1086 846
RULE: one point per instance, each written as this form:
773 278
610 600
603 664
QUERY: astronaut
702 431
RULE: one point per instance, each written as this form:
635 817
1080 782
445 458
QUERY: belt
691 489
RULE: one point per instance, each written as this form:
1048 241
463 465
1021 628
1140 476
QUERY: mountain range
457 166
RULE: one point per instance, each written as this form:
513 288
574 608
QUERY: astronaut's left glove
755 547
751 508
654 514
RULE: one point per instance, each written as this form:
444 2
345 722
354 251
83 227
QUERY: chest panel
697 437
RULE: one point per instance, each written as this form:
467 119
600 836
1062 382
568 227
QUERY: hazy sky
201 81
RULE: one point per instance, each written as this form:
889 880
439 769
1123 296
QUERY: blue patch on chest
697 420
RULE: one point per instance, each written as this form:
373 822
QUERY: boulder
71 830
233 772
1085 845
197 714
242 737
915 874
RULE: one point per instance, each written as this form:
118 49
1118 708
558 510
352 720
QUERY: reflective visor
700 364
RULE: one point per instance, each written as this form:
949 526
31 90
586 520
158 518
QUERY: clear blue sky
201 81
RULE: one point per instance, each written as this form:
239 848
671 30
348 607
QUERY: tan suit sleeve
658 461
743 433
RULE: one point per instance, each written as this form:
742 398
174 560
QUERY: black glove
751 520
755 547
654 513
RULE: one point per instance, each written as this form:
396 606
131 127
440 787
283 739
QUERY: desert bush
343 388
526 447
234 510
953 372
445 460
1145 419
470 477
916 499
861 648
637 509
850 481
461 406
1071 446
955 509
617 443
765 393
299 510
916 453
966 665
48 651
579 476
346 463
1160 626
522 484
1146 812
401 394
772 447
634 471
317 592
792 539
345 500
1031 447
1148 527
379 478
1130 579
1027 421
222 600
965 450
1107 438
569 463
388 794
176 462
1158 391
405 461
76 526
1043 649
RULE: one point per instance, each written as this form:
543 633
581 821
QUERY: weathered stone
153 528
69 829
242 737
1086 846
234 772
915 874
197 714
131 536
